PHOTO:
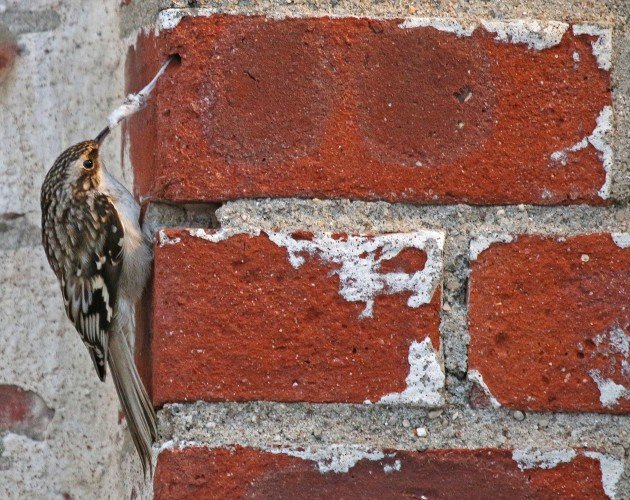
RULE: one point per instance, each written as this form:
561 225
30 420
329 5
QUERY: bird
102 259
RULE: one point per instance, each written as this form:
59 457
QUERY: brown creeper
96 247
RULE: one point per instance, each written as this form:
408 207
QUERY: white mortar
482 242
450 25
600 139
622 240
425 381
535 34
337 458
612 469
539 459
602 46
359 274
475 376
610 392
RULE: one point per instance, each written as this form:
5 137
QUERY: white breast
137 253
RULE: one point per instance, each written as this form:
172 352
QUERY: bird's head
79 166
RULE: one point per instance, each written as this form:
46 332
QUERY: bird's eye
88 164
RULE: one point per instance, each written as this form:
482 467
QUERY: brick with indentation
297 317
447 474
366 109
550 322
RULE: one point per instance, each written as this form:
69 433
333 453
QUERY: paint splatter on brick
285 317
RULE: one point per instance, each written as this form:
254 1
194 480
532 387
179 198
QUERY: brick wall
415 228
392 255
391 248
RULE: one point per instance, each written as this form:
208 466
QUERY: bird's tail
133 397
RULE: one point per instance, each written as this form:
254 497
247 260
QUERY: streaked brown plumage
95 246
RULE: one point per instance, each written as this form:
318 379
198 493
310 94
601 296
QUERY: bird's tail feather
133 396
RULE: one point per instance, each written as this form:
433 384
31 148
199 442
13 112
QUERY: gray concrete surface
67 77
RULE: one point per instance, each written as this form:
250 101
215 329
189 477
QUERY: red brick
235 321
142 345
444 474
8 52
549 317
407 261
23 412
363 109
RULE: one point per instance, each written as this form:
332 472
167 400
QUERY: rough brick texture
366 109
297 317
445 474
427 111
549 322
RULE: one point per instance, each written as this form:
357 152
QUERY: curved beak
102 134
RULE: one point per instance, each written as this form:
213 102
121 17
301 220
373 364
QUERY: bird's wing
90 286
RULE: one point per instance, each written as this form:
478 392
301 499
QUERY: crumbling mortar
387 426
372 217
453 324
138 14
620 76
